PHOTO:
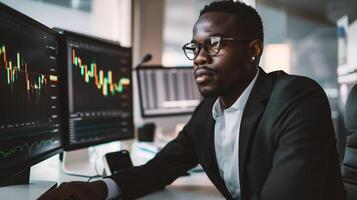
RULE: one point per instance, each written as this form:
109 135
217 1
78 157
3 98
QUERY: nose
202 58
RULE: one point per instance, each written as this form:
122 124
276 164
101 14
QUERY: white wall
148 37
109 19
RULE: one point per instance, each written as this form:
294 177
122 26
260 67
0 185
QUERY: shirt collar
239 104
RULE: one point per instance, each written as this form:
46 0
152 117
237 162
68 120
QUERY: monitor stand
19 187
79 163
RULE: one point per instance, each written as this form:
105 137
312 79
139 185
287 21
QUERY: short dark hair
247 15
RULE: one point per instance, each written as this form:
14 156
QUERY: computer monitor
29 87
167 91
98 95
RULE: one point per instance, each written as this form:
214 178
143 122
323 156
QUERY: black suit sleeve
172 161
305 147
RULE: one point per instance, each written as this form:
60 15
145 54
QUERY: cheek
231 67
229 62
238 52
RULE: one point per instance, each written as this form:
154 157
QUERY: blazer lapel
251 114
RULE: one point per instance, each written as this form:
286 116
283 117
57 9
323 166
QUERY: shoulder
287 88
292 94
284 81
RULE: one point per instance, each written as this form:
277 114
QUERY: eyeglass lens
210 45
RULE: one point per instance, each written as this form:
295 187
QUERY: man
257 136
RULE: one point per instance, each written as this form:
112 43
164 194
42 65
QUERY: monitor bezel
19 167
140 89
64 34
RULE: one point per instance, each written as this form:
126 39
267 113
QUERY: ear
256 50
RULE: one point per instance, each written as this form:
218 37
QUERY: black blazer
287 148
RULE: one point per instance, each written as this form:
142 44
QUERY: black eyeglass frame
200 45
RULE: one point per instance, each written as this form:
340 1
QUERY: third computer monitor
97 91
166 91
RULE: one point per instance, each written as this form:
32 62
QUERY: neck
227 100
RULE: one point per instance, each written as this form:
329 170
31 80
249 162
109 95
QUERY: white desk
196 186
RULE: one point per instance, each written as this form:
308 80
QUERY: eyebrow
211 35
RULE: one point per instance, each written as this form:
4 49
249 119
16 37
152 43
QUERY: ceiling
323 10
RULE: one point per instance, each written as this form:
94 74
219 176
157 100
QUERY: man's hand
77 191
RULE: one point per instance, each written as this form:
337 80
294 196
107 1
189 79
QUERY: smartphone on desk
116 161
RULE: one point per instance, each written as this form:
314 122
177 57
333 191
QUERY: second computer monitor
165 91
98 91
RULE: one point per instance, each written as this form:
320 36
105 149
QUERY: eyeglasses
211 46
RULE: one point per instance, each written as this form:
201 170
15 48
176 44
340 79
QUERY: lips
203 75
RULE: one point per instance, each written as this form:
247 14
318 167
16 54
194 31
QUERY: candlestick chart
100 81
26 84
32 83
103 80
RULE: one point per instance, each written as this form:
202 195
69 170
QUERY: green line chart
26 147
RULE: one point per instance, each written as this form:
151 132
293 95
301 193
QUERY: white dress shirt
226 139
